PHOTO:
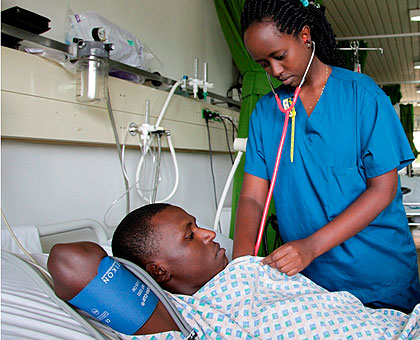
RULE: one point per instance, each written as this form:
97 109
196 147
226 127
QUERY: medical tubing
309 65
146 149
174 160
147 143
123 157
20 245
225 191
283 136
182 324
127 178
168 99
274 177
157 169
118 146
297 91
9 228
115 202
176 168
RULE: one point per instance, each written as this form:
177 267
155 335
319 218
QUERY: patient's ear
158 272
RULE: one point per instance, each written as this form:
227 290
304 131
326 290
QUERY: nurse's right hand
291 258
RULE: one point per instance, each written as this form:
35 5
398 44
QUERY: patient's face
189 252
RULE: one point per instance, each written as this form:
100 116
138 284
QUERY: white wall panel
38 102
74 171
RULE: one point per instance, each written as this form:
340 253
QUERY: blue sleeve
255 163
384 144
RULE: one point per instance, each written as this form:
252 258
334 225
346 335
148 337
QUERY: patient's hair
135 238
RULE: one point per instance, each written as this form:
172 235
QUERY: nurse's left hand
291 258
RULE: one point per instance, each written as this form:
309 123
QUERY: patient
242 299
166 242
161 238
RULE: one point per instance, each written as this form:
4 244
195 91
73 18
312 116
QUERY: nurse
337 196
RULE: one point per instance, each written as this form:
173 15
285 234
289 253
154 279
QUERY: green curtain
393 92
407 121
254 84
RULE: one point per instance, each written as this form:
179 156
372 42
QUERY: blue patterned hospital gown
250 301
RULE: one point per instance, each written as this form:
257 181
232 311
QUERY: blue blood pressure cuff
117 298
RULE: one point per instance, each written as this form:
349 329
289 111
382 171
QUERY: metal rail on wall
70 50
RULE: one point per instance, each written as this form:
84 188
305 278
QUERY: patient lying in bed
240 300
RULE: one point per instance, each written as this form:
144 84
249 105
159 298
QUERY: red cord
276 167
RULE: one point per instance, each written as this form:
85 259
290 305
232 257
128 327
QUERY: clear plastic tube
168 99
176 168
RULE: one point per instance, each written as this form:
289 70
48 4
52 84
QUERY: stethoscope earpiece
297 91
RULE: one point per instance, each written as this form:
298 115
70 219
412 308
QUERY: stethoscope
283 136
297 91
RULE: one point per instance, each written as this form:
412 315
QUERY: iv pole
354 46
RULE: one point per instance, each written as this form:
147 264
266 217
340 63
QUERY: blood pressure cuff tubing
117 298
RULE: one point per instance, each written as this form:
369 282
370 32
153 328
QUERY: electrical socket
210 115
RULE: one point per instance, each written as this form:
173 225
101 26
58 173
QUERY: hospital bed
29 307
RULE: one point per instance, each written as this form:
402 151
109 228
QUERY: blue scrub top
352 134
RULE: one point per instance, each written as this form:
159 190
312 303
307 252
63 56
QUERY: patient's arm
74 265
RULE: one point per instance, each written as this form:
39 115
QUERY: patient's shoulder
72 266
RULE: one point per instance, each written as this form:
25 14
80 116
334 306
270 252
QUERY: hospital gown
250 301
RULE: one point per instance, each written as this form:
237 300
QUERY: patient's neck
183 288
160 321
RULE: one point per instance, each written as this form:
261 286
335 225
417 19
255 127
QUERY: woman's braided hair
290 16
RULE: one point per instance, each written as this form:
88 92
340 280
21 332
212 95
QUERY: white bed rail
76 225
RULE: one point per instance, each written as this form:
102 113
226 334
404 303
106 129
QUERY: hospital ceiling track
70 50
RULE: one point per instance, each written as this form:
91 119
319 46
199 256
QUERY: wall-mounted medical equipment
197 83
93 67
128 47
113 64
149 134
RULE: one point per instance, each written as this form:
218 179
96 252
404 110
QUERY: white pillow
28 236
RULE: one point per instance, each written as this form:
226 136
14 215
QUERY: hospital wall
58 158
175 32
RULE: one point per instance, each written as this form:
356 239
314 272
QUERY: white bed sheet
28 313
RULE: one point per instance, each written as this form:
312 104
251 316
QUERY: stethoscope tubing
283 137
